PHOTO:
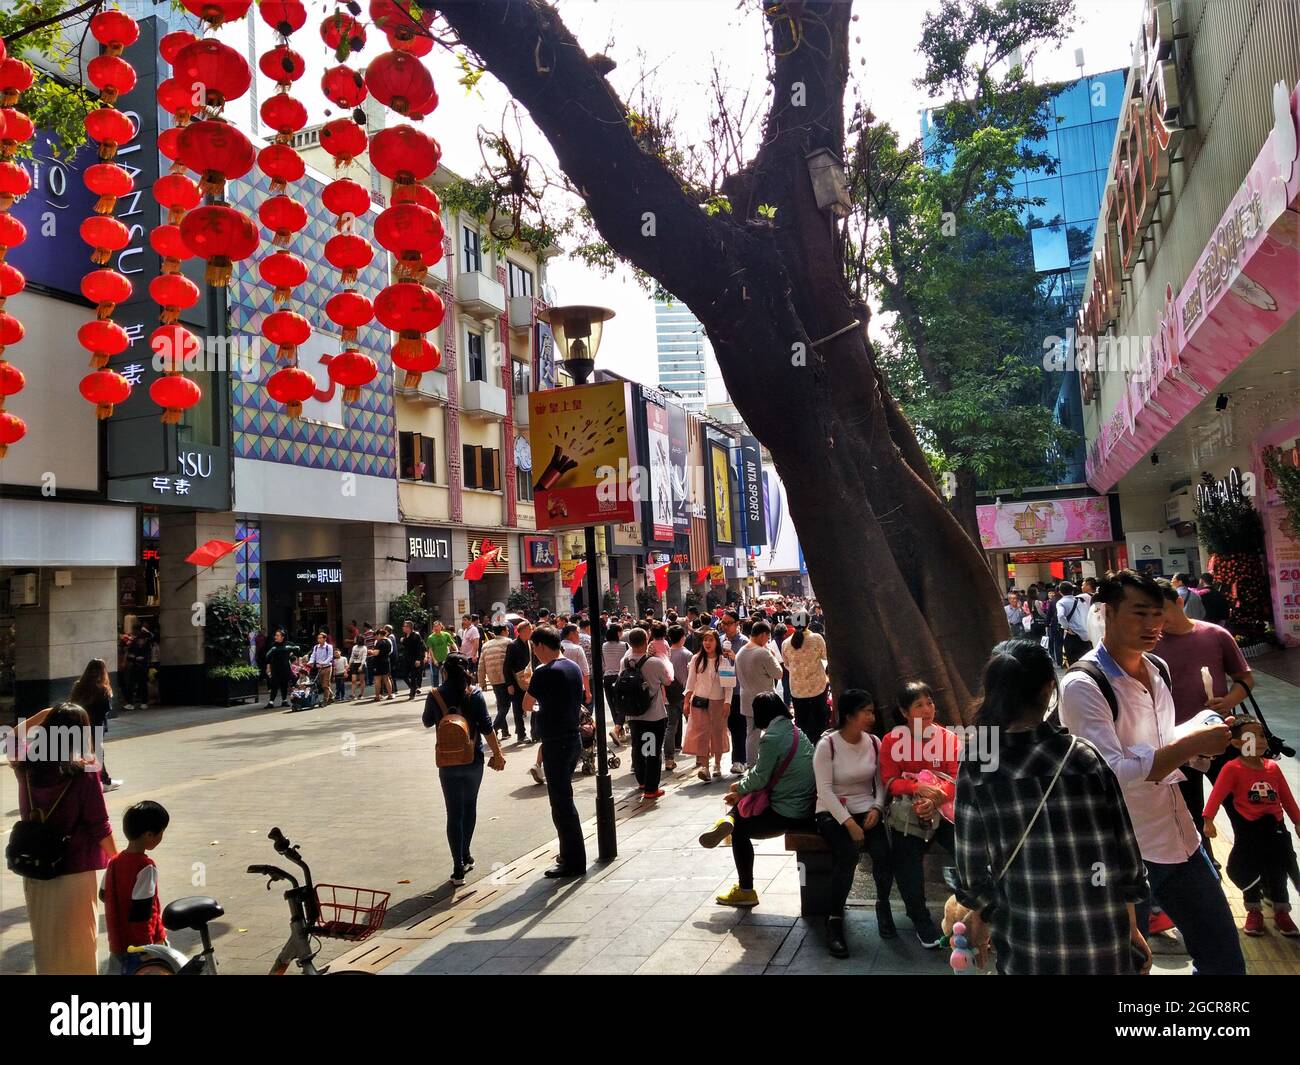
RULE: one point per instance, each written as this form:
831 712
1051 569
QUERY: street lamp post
577 332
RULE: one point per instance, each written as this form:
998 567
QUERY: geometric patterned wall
248 562
366 444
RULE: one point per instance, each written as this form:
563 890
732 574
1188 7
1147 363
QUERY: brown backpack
453 738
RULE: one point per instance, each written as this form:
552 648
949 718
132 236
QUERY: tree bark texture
906 592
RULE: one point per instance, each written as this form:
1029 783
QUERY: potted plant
409 606
229 626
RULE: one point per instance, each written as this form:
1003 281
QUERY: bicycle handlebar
274 872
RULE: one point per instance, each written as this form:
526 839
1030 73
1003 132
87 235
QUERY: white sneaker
536 773
112 785
737 768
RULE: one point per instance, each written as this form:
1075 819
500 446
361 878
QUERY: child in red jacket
1261 851
132 914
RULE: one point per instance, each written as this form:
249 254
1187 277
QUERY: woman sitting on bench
850 806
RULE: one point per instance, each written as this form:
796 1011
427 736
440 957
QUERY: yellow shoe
715 835
738 896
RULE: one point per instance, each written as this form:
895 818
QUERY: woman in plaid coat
1046 855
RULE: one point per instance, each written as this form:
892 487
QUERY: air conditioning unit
1180 509
22 589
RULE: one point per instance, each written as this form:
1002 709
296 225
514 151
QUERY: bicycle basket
350 912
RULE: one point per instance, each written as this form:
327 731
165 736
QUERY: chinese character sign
584 436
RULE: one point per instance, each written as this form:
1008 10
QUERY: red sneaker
1158 922
1285 925
1255 922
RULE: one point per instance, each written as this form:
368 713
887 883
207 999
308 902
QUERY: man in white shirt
573 651
1138 743
1072 612
757 670
470 638
322 657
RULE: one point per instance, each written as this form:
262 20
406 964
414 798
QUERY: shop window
475 361
472 249
416 454
482 467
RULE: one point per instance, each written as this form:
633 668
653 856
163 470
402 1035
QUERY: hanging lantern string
16 77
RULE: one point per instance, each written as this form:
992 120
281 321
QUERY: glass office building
681 348
1081 127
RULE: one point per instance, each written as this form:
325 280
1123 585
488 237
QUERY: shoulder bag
754 803
37 850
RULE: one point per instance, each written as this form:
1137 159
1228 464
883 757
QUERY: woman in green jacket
792 792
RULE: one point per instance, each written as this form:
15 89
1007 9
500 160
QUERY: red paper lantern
12 429
222 236
167 241
283 16
284 272
416 363
15 79
169 142
108 181
344 197
343 139
177 194
106 289
282 65
174 347
12 281
172 44
352 370
14 182
340 27
349 253
286 331
176 394
114 29
217 151
12 232
11 331
103 338
291 386
110 128
400 81
215 12
350 311
421 194
177 98
404 154
283 216
105 234
284 114
343 87
418 46
112 75
410 310
281 164
408 231
173 293
15 128
399 17
220 70
12 381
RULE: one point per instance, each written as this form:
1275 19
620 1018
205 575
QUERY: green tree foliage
229 623
409 606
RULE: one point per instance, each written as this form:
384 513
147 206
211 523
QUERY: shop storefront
429 569
305 597
1050 539
488 595
539 558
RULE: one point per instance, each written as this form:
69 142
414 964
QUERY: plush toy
963 957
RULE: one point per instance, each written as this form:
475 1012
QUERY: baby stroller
304 697
587 732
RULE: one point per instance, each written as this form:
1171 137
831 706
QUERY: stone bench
814 857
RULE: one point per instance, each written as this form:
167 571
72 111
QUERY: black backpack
1098 676
632 695
36 851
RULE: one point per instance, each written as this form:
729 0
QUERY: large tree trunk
906 591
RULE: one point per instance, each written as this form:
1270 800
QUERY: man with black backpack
1072 613
1118 697
639 690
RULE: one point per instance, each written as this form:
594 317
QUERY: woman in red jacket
918 746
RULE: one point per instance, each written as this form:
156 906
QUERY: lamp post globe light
577 330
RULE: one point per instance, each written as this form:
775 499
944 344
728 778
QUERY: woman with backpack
850 812
1033 829
459 712
708 705
63 840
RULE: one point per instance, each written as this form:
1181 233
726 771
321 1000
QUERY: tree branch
40 24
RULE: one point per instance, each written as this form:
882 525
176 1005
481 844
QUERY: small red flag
575 582
702 575
213 551
661 579
487 553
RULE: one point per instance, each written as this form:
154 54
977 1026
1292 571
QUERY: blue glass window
1106 94
1073 107
1082 203
1050 249
1053 207
1078 236
1103 142
1047 146
1075 145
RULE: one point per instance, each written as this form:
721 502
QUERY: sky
678 42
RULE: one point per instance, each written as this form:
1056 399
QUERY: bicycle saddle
192 912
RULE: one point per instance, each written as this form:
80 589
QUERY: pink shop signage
1243 288
1044 522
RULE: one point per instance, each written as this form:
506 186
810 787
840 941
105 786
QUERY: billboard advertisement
720 494
677 447
661 474
583 435
781 554
750 468
1045 522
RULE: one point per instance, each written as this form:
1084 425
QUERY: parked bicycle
316 912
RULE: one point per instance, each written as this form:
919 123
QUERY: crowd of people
1081 830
